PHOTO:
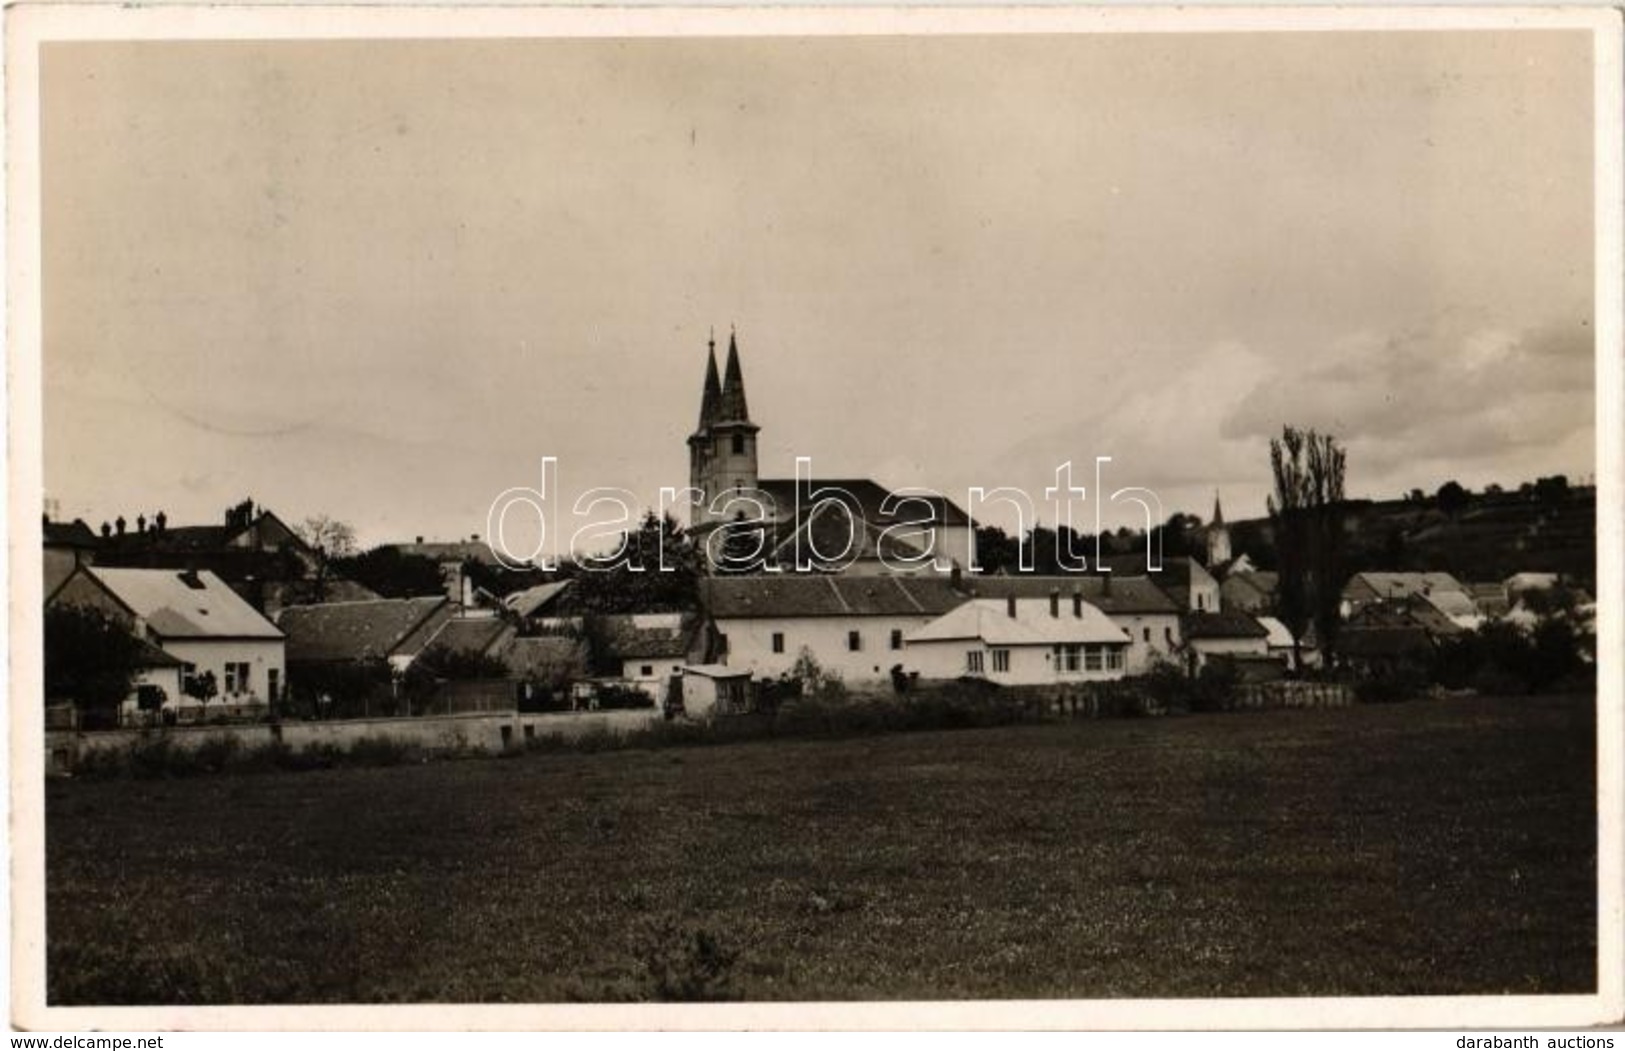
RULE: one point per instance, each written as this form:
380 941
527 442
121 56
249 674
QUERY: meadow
1430 847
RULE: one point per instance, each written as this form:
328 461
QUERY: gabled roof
645 634
777 595
69 534
530 601
1277 633
540 656
469 634
354 631
1122 595
1262 582
184 605
1401 585
1226 624
870 498
990 621
1451 602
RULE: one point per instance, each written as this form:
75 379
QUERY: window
854 641
1201 601
973 662
236 677
778 642
1001 660
647 671
1147 634
1114 658
1093 658
897 638
1068 656
739 444
722 644
272 682
1168 635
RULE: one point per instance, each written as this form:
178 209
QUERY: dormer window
739 444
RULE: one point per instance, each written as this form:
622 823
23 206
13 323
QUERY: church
848 525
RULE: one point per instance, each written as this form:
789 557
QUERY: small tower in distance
1218 537
722 450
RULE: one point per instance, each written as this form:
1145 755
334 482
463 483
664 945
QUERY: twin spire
724 401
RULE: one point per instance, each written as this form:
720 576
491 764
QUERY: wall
1029 665
660 670
262 655
750 645
1142 654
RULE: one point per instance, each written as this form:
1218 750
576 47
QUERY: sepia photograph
604 509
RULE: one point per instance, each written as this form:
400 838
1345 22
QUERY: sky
382 280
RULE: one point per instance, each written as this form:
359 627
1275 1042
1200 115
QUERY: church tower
722 450
1218 537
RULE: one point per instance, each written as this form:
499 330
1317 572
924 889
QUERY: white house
1016 641
1232 633
650 648
853 626
1143 610
194 618
714 689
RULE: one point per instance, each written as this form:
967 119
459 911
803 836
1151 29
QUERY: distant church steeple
1218 536
722 452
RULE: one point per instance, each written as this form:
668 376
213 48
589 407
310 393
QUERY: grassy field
1427 848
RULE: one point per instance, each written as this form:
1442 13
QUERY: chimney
118 525
1010 606
1077 603
1055 602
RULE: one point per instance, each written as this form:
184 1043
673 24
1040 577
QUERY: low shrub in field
685 964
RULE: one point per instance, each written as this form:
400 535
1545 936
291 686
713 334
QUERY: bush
1402 683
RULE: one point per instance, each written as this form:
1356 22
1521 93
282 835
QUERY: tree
1452 498
203 687
331 540
615 586
90 657
1306 511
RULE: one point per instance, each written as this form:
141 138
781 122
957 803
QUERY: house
1364 589
531 604
709 690
1020 641
193 618
386 633
68 545
471 636
646 650
853 626
723 460
257 554
1490 599
1278 642
1144 611
1518 583
1184 580
1250 592
543 666
1229 632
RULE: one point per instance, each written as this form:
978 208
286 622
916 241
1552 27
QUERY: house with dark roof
393 631
838 524
1227 633
68 545
1182 579
1251 592
193 618
853 626
646 650
254 551
1145 613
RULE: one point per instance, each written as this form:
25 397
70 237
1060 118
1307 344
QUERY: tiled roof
1402 585
469 634
869 496
353 631
69 534
1228 624
990 621
542 656
645 635
1126 594
529 602
181 605
818 595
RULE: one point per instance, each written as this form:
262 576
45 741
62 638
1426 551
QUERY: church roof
733 405
711 400
869 497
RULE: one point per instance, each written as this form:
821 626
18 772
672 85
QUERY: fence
1290 694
